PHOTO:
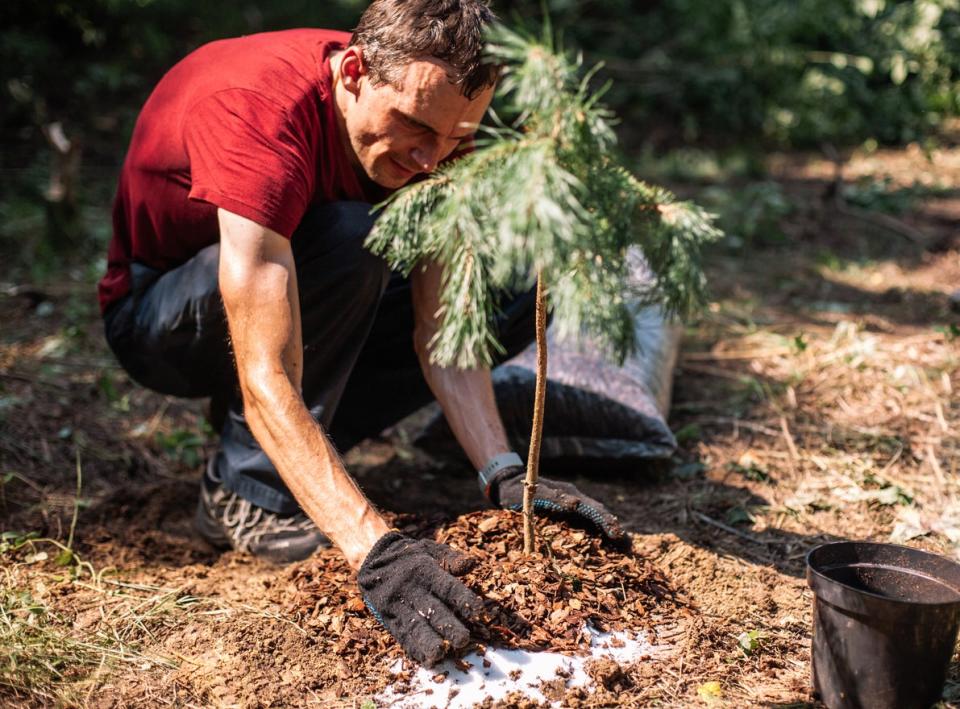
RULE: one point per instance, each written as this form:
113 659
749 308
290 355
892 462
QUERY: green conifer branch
545 193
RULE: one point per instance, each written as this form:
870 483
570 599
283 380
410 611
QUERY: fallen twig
727 528
720 356
723 420
791 446
884 221
714 371
32 380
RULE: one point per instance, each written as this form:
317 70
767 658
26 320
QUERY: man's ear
352 69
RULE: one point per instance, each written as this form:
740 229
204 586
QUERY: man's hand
552 496
408 585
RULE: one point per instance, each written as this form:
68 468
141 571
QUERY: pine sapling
544 200
536 433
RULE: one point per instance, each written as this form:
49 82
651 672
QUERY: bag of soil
599 416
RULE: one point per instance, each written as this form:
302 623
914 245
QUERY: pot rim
814 574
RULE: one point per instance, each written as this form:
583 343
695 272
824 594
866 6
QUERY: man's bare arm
466 395
258 283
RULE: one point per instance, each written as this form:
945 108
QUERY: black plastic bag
599 416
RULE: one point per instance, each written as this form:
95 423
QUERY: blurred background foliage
92 63
756 73
786 73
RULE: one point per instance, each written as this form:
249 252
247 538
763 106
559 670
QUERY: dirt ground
815 399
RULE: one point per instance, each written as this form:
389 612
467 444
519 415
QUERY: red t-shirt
245 124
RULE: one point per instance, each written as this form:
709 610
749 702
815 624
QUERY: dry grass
67 631
46 656
843 417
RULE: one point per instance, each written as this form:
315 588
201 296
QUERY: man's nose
426 156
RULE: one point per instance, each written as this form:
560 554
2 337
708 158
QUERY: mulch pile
537 602
542 601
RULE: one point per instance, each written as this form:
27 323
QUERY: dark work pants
361 373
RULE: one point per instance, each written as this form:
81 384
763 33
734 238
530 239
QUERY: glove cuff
500 467
381 544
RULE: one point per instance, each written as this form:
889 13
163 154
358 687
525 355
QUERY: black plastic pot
885 620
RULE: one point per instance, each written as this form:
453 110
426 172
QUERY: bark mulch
538 602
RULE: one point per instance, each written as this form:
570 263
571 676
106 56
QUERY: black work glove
408 586
506 491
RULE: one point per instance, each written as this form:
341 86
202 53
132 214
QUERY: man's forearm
311 468
259 288
466 397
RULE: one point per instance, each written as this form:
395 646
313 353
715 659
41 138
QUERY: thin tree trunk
536 434
63 225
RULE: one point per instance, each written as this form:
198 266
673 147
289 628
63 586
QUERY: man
239 221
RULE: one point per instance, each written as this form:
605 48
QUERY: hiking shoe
227 521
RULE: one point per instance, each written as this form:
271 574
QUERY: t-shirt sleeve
247 157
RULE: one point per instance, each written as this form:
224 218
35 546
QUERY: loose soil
814 400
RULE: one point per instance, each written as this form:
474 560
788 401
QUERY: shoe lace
247 523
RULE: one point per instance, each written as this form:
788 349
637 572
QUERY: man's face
397 134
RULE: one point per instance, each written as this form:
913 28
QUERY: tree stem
536 433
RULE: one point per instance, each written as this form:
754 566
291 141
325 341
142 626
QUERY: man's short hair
393 33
